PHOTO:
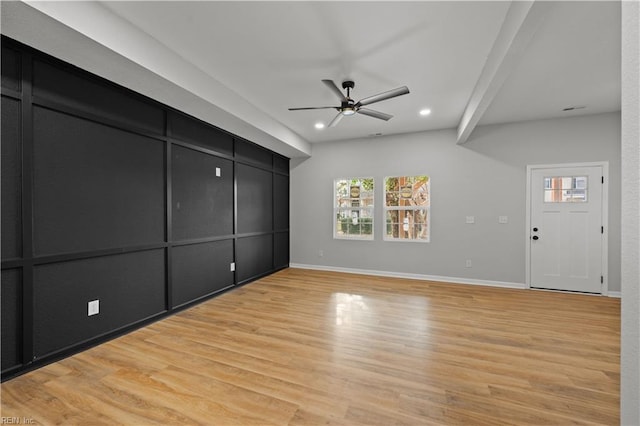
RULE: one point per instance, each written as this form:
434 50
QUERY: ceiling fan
349 107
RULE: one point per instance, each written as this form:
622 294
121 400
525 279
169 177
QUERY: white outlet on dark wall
93 308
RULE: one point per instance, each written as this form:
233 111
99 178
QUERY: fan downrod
348 84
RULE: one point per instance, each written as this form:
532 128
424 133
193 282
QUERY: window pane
407 224
580 182
393 230
354 192
420 232
565 189
552 196
354 224
392 198
407 191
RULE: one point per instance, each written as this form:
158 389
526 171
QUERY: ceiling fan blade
300 109
331 85
383 96
336 120
375 114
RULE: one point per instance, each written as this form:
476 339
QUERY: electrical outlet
468 263
93 308
232 266
503 219
320 253
471 219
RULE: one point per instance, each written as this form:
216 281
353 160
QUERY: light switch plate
471 219
503 219
232 266
218 172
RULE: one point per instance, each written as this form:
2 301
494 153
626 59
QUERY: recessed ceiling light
319 125
425 111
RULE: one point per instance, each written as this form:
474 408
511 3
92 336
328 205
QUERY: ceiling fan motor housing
348 84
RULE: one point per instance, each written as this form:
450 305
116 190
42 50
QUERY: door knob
535 229
535 237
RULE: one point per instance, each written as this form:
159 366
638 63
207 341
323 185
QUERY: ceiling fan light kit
349 107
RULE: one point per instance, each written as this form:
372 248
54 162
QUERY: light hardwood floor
309 347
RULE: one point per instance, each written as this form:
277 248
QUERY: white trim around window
407 208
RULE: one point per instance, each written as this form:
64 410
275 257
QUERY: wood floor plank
303 347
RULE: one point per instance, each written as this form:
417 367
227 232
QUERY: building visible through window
565 189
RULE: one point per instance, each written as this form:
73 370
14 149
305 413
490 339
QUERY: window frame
426 208
337 208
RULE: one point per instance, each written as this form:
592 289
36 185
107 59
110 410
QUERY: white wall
630 332
484 178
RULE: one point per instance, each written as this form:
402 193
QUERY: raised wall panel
70 88
188 129
281 200
95 186
254 256
201 269
10 63
202 202
281 250
255 199
11 290
252 153
11 179
130 288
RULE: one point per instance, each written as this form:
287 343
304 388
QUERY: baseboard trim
439 278
615 294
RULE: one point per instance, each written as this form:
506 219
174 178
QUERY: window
407 208
565 189
353 209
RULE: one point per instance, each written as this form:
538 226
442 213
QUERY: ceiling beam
521 22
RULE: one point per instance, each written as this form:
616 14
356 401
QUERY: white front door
566 228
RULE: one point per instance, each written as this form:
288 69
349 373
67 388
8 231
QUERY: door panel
565 235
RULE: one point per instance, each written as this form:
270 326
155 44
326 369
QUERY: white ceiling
269 56
573 60
275 54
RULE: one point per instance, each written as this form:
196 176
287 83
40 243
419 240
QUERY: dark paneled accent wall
108 195
95 186
202 195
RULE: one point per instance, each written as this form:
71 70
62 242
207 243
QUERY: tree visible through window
407 208
353 208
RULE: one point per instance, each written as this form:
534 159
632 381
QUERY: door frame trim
605 218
